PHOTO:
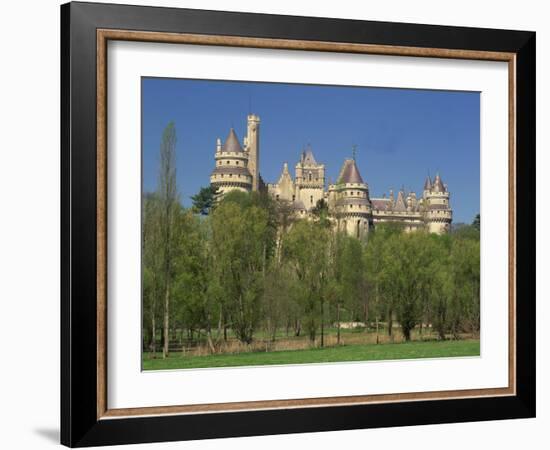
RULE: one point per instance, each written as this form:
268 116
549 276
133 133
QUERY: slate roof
232 143
309 158
383 204
427 184
438 184
234 170
350 173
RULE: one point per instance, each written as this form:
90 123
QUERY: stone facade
349 204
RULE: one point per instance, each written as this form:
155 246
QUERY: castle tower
437 210
309 180
352 206
252 147
231 172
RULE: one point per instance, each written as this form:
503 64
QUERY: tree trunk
166 322
322 323
407 334
390 323
153 335
297 328
220 319
338 323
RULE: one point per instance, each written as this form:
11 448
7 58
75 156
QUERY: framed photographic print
276 224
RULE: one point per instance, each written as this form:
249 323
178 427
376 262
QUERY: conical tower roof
350 173
438 184
232 143
427 184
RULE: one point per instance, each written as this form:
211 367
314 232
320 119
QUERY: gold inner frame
104 35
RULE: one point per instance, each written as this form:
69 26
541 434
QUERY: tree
168 202
320 212
406 277
240 238
477 222
152 264
194 300
465 263
440 291
203 201
347 277
307 248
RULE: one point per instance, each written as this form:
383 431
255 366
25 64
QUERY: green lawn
371 352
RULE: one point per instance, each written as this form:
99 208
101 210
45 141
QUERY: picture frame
86 418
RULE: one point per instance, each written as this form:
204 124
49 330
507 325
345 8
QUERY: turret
437 210
352 205
231 171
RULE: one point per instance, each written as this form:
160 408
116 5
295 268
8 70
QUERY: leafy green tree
196 305
347 278
204 200
240 238
306 248
441 288
152 264
465 262
321 213
406 277
477 222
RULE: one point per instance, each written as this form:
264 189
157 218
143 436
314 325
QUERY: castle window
311 199
219 163
293 197
227 162
237 162
277 197
230 175
309 176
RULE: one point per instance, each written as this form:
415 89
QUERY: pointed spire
438 184
400 203
232 143
428 184
285 174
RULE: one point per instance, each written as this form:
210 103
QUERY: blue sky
401 134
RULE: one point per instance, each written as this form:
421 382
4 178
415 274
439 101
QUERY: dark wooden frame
85 28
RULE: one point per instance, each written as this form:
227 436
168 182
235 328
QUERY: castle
350 206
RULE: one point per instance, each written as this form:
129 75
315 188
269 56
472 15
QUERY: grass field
370 352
